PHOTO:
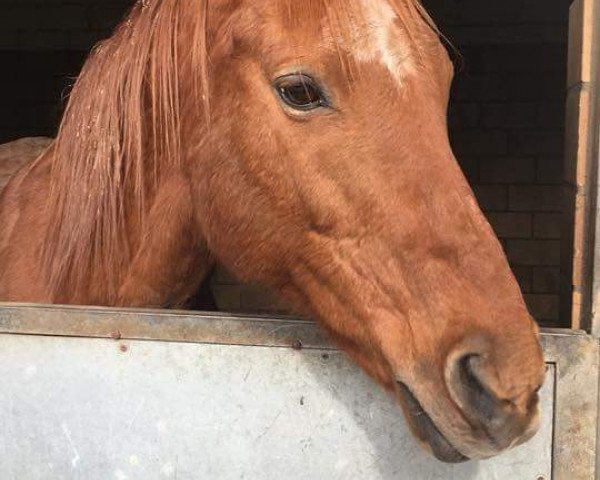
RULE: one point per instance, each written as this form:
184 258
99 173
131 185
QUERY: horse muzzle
489 431
478 413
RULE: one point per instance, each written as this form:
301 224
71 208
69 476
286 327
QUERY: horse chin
427 431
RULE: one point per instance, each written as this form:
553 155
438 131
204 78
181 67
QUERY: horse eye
300 92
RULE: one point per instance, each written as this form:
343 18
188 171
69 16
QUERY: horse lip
442 449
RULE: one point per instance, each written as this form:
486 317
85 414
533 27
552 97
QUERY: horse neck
171 256
143 258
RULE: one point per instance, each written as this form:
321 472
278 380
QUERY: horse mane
123 117
122 124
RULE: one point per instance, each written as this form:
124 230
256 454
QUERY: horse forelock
389 31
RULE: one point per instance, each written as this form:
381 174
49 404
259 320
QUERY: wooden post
582 161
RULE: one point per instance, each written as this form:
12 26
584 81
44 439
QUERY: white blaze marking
383 41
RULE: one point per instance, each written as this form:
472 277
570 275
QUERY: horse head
328 175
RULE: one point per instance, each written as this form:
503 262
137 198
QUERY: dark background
506 115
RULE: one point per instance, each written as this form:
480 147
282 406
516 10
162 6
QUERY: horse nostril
473 385
475 395
495 398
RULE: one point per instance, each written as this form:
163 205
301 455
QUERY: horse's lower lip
440 446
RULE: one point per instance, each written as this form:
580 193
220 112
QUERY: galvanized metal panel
77 408
366 424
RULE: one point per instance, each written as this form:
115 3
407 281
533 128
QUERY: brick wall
43 44
507 129
506 115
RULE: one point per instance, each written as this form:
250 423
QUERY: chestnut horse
303 144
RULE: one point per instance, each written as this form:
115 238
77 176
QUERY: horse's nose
506 412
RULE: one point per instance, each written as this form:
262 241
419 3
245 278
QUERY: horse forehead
384 41
375 36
